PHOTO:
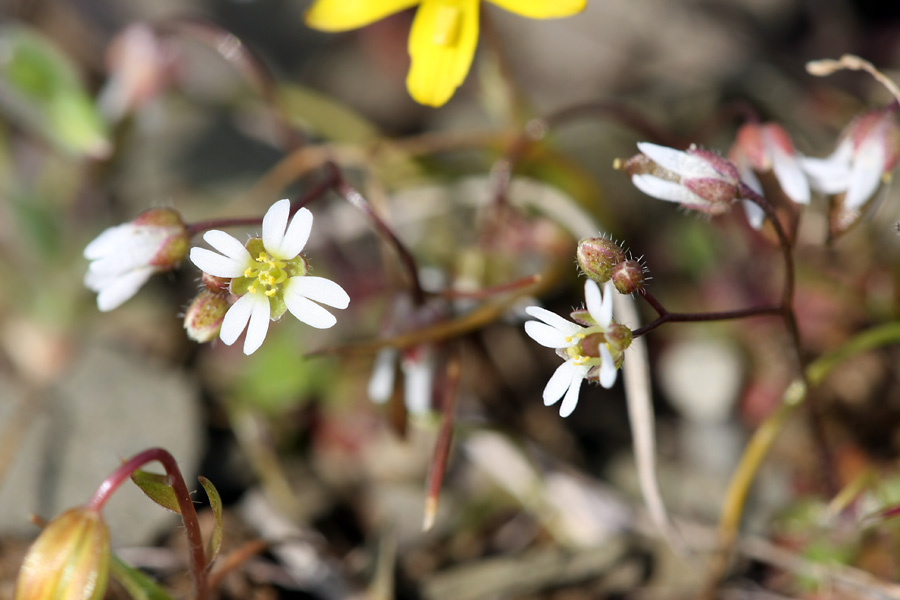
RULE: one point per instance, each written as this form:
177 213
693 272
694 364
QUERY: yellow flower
443 36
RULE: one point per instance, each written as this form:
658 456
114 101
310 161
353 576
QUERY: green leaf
157 488
138 584
41 90
215 503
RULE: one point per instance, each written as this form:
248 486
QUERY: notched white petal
570 401
308 311
680 163
216 264
236 319
297 234
662 189
553 320
227 245
107 242
548 336
791 178
116 290
318 289
865 174
259 323
607 368
559 383
273 226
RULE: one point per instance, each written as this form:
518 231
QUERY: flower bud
124 257
215 284
597 257
69 560
203 318
628 277
697 179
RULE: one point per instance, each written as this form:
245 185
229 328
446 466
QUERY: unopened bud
69 560
203 318
597 257
628 277
215 284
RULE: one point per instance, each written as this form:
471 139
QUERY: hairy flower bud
597 256
203 318
628 277
69 560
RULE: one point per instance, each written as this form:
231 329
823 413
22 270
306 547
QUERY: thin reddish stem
197 558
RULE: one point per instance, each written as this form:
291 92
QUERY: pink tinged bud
628 277
597 256
203 318
69 560
697 179
124 257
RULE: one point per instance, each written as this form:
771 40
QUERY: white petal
297 234
119 289
236 318
607 368
273 226
216 264
107 242
381 383
418 376
547 336
259 324
755 215
308 311
559 382
599 305
227 245
830 175
555 321
669 191
748 176
866 172
319 289
571 400
790 177
680 163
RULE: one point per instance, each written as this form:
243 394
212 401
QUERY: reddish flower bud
696 179
628 277
203 318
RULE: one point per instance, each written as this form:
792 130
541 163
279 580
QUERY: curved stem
197 558
351 195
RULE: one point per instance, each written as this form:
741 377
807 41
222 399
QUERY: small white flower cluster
700 180
268 276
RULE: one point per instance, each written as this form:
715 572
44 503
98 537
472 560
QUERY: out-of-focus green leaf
215 503
277 377
324 116
40 90
157 488
138 584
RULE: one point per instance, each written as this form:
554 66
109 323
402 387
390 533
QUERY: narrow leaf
157 488
215 503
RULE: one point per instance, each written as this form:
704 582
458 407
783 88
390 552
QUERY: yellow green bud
203 318
69 560
597 257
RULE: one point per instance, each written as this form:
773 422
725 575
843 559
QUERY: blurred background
219 108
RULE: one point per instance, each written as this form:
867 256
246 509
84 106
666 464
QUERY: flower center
587 350
267 272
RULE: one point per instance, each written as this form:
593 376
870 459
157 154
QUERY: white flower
760 148
585 349
417 364
125 256
269 276
696 179
863 158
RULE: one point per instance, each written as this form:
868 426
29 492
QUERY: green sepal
157 488
215 503
138 584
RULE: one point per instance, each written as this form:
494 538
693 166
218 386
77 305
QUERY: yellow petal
341 15
542 9
441 45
